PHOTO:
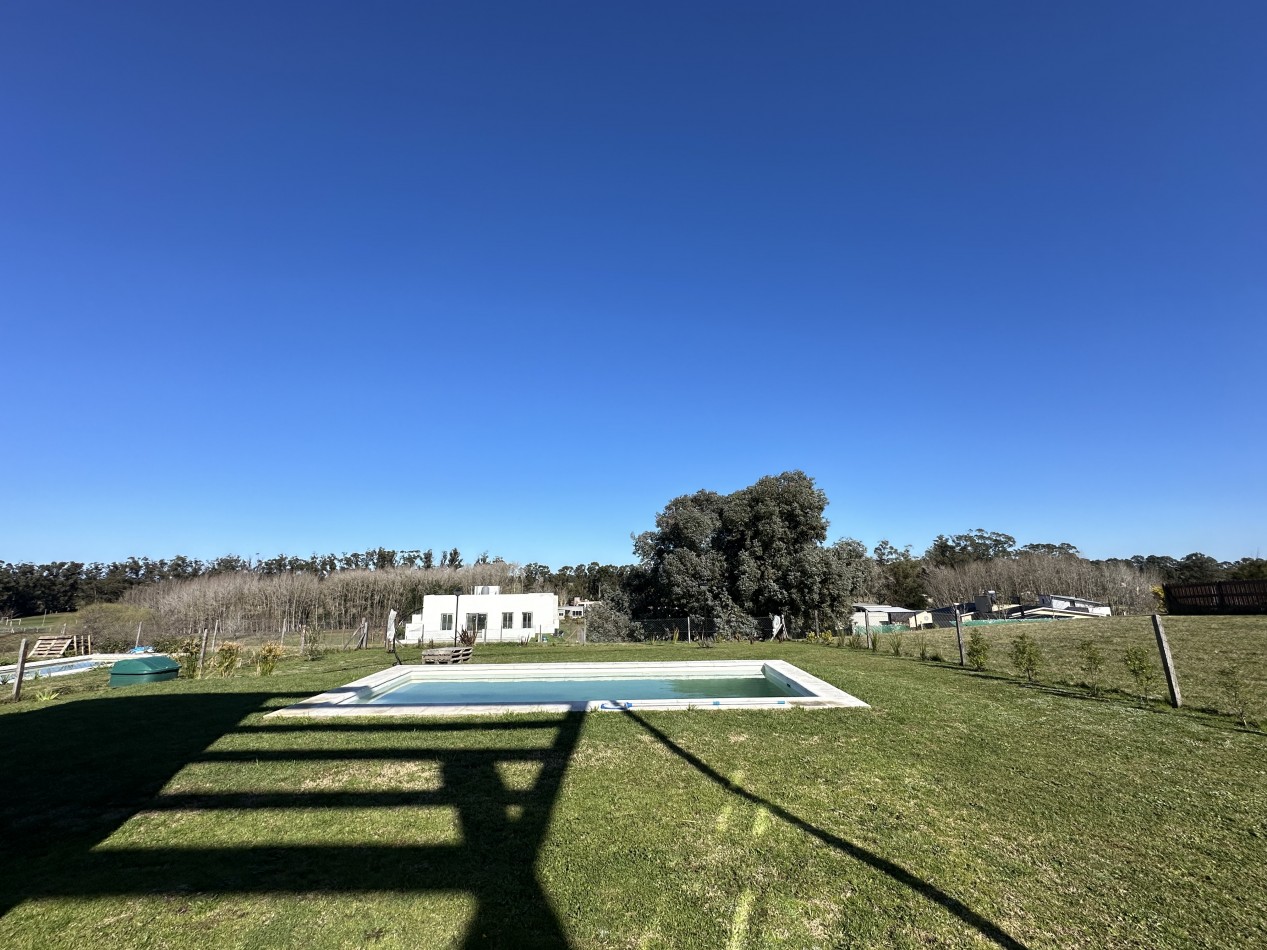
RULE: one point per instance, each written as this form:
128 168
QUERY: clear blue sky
295 277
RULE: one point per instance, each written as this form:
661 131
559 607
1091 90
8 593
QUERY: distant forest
756 552
889 574
28 589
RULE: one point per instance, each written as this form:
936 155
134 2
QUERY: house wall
427 625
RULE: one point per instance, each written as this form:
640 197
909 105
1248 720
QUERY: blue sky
508 277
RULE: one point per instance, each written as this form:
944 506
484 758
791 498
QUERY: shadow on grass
987 928
79 770
1209 716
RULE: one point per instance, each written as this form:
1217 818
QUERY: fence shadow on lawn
1204 715
987 928
75 787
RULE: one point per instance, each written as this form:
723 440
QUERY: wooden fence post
20 672
1167 663
866 622
202 654
963 661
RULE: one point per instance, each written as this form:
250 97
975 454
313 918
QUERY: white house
1072 605
576 609
494 616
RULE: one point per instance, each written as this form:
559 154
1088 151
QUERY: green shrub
921 645
895 643
228 656
113 626
266 658
606 624
314 645
1235 693
185 650
1026 657
978 652
1091 664
1139 664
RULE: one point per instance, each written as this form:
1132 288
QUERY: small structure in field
877 614
1060 605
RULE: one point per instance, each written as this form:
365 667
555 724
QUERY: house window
527 618
446 621
508 620
477 622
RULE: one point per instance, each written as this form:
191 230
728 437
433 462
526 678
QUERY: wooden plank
1167 663
21 670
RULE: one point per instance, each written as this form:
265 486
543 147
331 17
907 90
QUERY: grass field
964 809
1202 647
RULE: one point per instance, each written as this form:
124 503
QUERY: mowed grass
961 810
1202 648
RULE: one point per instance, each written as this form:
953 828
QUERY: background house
576 609
876 614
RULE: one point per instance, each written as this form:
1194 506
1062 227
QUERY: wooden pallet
49 648
447 655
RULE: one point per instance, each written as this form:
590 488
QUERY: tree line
28 589
752 553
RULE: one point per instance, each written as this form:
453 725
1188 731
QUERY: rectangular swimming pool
38 669
559 687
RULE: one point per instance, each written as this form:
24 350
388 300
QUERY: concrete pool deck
809 692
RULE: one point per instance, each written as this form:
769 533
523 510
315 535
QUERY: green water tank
144 669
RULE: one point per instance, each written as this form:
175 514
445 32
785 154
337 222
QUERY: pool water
467 692
45 670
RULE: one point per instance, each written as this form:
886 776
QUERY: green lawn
963 809
1201 648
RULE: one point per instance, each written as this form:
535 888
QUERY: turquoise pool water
473 692
51 669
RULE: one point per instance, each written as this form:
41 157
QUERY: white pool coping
342 701
40 669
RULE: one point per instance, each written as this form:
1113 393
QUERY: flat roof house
495 617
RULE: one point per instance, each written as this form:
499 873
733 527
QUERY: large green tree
755 552
975 545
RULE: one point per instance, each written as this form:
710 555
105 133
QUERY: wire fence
1220 662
